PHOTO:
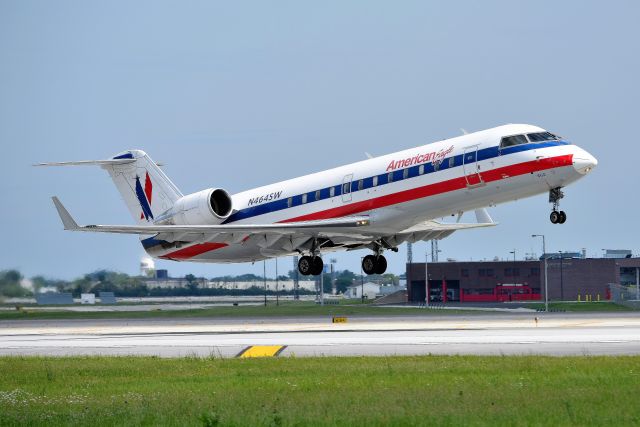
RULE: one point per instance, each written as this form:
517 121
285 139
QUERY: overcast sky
240 94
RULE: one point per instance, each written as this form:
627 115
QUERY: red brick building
472 281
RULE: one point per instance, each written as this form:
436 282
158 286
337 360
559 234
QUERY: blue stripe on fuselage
483 154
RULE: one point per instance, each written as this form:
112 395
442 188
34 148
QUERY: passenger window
289 202
317 194
375 181
346 188
510 141
405 174
304 198
390 177
360 185
332 192
421 170
452 162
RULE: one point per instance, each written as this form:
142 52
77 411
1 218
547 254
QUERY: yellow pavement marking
262 351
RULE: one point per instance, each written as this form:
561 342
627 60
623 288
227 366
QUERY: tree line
12 284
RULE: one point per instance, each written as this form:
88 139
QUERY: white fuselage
402 189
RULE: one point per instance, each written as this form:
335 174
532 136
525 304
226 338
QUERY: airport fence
625 295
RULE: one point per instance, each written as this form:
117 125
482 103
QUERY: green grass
359 391
581 306
286 309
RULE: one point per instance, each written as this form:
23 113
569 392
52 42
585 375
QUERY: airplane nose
584 162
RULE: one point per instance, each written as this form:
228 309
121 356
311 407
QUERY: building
355 291
283 285
483 281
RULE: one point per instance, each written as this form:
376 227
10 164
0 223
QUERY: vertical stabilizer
146 190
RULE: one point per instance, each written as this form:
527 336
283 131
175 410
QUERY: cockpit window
510 141
542 136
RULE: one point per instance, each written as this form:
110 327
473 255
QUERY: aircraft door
346 188
471 167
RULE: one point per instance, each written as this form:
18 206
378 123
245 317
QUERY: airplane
378 203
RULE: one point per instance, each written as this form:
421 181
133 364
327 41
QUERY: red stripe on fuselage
400 197
437 188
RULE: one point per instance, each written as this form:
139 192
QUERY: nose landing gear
556 217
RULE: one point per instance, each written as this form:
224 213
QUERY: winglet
67 220
483 217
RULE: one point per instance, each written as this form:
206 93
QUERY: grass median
285 309
360 391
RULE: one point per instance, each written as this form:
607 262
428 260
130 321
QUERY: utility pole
361 282
544 255
561 277
334 289
295 278
264 276
277 301
322 286
426 275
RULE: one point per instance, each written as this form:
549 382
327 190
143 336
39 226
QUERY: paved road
552 334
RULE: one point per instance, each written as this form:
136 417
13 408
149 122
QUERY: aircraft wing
347 232
171 232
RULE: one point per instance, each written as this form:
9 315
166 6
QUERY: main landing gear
310 265
377 263
556 217
374 264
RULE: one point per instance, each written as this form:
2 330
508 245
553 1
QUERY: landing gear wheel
369 264
317 266
381 265
305 265
555 217
563 217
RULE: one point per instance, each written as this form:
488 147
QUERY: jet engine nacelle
206 207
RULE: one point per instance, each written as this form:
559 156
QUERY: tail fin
146 190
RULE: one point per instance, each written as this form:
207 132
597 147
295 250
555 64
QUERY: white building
370 290
283 285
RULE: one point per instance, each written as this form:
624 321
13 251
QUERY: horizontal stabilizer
89 162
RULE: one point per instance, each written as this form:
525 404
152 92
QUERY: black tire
554 217
381 265
305 265
369 264
563 217
317 267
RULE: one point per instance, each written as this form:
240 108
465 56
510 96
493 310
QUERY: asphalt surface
486 334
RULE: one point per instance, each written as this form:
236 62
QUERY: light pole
544 255
426 278
514 255
277 302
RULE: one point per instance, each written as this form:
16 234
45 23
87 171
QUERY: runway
488 334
